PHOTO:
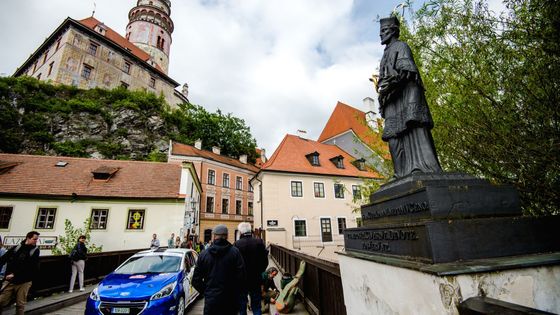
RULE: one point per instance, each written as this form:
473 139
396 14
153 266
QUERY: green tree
231 134
70 238
492 83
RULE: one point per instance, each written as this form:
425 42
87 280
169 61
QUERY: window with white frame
238 206
98 220
45 218
225 180
300 228
319 190
136 219
297 189
211 177
356 192
5 216
225 206
209 204
339 191
341 225
239 183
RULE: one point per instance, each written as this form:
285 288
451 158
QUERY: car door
191 257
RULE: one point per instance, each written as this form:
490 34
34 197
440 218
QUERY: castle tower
150 28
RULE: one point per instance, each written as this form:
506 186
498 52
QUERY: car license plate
120 310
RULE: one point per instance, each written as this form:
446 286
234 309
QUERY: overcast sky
281 65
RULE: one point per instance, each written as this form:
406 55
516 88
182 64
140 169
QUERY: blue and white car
149 282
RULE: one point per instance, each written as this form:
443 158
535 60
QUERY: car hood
137 286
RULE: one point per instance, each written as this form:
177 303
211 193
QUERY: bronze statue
403 105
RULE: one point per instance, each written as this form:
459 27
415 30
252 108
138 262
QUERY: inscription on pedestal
396 241
408 208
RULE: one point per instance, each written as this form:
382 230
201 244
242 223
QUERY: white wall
162 218
374 288
278 204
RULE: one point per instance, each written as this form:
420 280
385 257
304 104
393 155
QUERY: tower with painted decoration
150 28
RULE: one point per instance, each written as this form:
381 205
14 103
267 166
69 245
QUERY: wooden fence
54 271
321 285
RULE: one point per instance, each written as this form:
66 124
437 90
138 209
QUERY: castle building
88 54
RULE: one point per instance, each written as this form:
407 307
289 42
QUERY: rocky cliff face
37 119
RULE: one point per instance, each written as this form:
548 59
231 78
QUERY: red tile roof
189 150
344 118
110 34
290 156
38 175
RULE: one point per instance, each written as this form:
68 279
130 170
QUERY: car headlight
94 295
166 291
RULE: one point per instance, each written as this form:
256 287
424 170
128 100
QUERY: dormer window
313 158
338 161
101 28
104 172
360 164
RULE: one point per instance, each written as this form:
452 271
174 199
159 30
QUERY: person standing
22 266
155 242
178 242
219 272
2 252
78 257
255 257
403 105
171 241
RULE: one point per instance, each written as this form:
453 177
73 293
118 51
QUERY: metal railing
54 271
316 241
321 286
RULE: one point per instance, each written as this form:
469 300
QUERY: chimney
371 115
198 144
301 133
263 155
216 150
243 158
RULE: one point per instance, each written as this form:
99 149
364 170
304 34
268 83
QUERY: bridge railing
321 285
54 271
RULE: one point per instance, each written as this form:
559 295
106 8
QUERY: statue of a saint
403 106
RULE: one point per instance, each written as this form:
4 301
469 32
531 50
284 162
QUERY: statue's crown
389 21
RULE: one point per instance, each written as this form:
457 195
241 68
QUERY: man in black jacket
256 259
23 265
219 274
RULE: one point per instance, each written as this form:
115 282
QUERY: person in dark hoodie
256 259
219 274
23 265
78 257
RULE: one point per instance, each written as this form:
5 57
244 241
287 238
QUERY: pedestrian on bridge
255 257
219 274
78 256
22 266
171 241
154 244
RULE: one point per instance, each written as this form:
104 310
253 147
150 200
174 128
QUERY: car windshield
150 264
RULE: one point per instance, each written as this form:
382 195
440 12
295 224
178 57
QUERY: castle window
50 68
45 56
92 48
39 76
58 43
86 72
124 85
152 83
35 66
126 67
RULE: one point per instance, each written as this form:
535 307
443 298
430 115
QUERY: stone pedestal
447 225
449 217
